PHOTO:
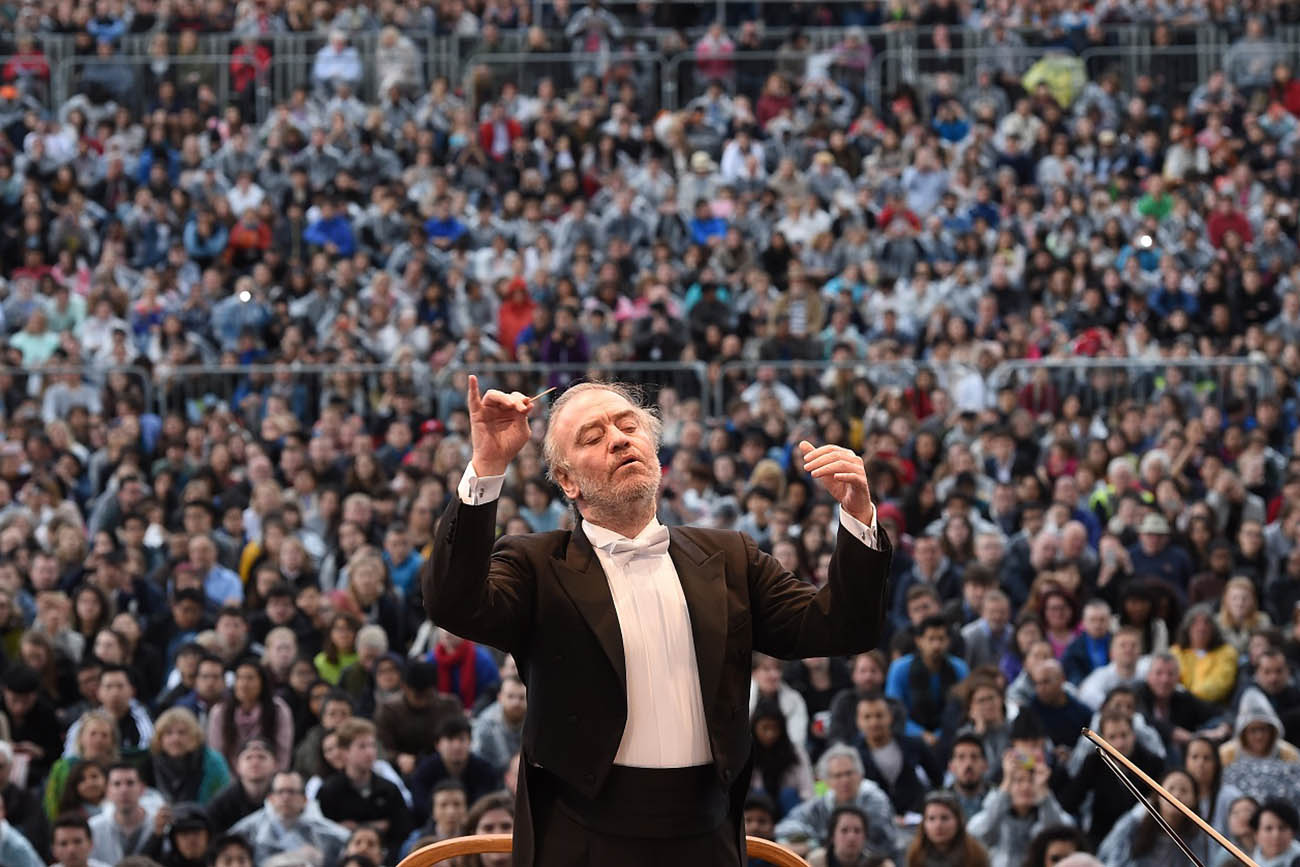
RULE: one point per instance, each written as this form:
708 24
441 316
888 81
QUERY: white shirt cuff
865 533
475 490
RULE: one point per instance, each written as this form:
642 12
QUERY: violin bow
1118 763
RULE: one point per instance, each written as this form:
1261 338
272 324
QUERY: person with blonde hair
96 741
182 767
1239 613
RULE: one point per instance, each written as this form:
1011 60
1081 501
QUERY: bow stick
1112 755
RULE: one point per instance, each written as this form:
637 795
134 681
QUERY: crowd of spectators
211 620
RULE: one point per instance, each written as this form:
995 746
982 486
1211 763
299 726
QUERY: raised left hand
844 475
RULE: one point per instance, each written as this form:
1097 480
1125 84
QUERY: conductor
635 639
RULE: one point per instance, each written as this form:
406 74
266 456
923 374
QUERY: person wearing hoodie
187 839
1257 760
1275 825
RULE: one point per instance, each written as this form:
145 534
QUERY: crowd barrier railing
1102 382
892 55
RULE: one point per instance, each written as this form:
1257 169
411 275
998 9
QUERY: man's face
334 714
608 451
186 614
1125 649
758 823
843 779
1048 683
124 788
71 847
967 764
514 701
1271 673
996 612
115 692
932 644
454 750
361 753
1162 678
920 608
279 609
288 796
254 766
280 653
1096 621
449 809
874 719
210 682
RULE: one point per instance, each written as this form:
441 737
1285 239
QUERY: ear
567 483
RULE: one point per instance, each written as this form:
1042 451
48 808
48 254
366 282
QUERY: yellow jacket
1210 675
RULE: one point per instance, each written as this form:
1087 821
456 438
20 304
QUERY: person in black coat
254 767
357 796
1111 799
901 765
452 761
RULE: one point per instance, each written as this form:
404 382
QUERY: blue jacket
898 686
1078 662
336 231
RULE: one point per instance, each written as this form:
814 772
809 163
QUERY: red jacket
1219 224
247 66
487 136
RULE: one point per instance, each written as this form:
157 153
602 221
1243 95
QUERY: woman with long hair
781 768
181 766
339 649
251 709
97 741
1060 615
1028 632
941 840
1201 760
91 611
1241 815
1239 613
490 814
85 790
1137 841
1137 608
1207 662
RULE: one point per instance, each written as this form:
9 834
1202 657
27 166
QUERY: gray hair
552 452
839 751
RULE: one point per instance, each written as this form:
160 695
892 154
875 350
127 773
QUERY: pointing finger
473 398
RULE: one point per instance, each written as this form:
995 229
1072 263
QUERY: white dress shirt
666 726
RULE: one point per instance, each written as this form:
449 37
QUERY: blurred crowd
235 338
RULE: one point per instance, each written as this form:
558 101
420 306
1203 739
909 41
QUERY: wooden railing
772 853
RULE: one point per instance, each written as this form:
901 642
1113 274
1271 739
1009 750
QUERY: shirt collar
603 537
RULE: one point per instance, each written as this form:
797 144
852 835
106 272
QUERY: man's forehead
590 406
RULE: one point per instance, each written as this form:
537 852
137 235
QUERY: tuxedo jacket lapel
704 584
585 583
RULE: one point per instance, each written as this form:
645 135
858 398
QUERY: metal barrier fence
306 389
115 381
486 73
1041 385
1101 382
660 63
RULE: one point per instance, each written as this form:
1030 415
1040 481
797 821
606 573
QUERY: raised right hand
498 427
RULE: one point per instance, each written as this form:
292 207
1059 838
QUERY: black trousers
642 817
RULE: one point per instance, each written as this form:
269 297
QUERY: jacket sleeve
474 591
984 825
793 620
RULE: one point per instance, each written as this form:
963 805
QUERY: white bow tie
651 544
